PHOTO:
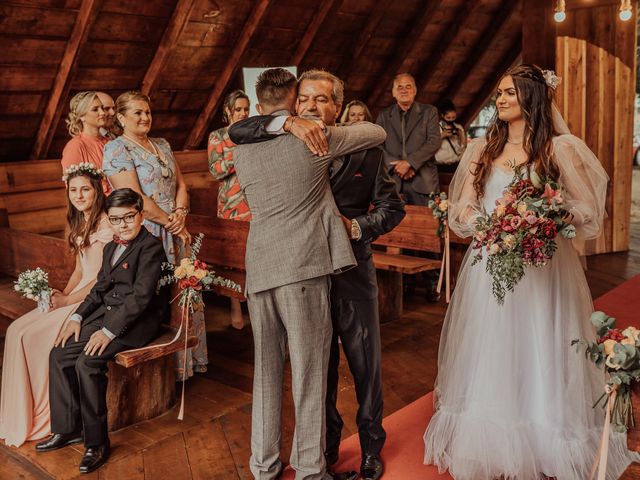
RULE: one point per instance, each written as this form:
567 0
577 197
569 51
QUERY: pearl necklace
164 170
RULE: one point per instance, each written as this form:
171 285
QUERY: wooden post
202 122
60 90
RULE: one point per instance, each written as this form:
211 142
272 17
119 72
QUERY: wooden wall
596 58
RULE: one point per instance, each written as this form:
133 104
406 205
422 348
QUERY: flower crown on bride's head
83 168
551 79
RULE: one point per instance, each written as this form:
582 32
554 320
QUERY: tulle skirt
514 399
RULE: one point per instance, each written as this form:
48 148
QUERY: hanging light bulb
626 11
559 15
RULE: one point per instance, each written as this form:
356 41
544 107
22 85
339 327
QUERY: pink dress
24 395
85 148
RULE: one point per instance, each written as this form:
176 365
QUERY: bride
513 399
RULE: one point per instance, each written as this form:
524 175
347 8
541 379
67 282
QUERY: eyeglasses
129 218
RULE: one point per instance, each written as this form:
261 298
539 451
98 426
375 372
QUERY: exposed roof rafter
312 30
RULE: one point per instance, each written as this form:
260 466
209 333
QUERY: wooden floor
213 442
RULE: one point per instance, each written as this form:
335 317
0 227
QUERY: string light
626 11
559 15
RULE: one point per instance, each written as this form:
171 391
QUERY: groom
122 311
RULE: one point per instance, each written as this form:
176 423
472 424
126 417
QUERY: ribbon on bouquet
184 322
602 454
445 270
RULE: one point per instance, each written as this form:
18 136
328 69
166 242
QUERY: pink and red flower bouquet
521 231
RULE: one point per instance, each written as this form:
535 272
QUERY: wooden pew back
34 196
417 231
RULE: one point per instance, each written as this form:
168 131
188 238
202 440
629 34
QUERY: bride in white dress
513 398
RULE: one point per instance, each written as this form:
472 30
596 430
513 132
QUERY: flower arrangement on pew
617 351
521 231
439 205
34 285
193 276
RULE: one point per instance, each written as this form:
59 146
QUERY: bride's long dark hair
535 100
79 228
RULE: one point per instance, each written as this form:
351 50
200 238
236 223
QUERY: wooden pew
33 193
141 384
417 231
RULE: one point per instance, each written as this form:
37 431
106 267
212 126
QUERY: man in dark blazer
124 310
413 138
358 181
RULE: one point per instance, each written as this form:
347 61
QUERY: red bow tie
120 241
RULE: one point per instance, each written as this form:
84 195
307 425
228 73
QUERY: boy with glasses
124 310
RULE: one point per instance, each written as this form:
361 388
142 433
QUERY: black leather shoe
344 475
371 467
58 440
94 458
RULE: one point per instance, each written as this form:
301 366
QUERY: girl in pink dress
24 395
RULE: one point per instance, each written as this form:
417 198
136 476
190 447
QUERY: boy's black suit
125 302
363 190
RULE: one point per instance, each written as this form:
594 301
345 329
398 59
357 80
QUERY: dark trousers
357 324
78 388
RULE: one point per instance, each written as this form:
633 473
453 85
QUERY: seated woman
147 165
85 121
24 396
231 201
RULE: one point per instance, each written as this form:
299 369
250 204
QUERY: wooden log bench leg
140 392
389 295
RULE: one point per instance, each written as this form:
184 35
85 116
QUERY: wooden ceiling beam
312 30
443 43
199 129
407 43
60 90
484 41
484 93
176 25
363 38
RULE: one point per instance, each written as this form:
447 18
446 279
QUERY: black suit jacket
125 297
363 190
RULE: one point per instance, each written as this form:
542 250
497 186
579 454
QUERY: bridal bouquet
521 231
439 205
34 285
617 351
194 276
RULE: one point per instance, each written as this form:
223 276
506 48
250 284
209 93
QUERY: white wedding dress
514 399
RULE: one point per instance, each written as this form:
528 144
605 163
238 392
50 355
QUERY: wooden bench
141 384
33 193
417 231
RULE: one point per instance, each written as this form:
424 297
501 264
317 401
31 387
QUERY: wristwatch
356 231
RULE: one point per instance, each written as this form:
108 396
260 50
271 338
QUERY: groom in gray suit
296 240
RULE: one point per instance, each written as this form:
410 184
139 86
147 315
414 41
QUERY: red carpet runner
404 449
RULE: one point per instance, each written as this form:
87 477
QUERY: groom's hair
124 197
274 86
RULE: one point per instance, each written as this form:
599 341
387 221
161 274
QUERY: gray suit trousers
297 314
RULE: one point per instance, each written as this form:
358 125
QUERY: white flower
551 79
495 248
16 288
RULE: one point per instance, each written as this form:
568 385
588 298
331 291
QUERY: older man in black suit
124 310
358 181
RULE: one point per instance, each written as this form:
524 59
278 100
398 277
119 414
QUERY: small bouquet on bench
439 205
521 231
617 351
34 285
193 276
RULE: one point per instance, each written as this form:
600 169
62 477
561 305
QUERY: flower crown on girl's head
85 168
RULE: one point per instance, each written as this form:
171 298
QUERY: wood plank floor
213 441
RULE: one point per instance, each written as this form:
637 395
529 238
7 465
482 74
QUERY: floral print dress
159 183
231 201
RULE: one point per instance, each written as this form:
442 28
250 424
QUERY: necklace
512 142
164 167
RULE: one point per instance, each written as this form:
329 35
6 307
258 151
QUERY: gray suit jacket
423 141
296 232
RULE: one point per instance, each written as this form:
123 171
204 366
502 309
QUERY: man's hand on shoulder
311 132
